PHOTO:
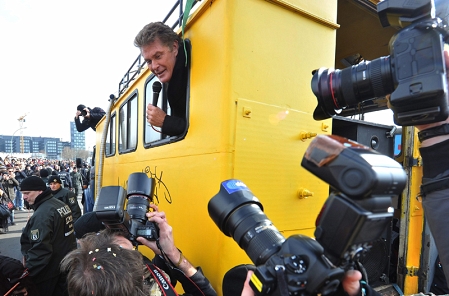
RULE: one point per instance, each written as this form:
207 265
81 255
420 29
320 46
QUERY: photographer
91 117
175 267
180 268
434 149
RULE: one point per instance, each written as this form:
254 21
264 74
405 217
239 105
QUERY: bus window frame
112 132
148 98
133 95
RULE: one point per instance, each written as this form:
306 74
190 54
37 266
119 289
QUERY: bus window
152 135
110 140
128 125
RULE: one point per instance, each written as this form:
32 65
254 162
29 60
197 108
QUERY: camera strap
164 284
281 281
433 132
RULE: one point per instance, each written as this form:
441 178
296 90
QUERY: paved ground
10 242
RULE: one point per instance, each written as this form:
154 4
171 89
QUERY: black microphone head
157 86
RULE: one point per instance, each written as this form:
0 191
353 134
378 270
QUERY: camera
298 261
109 207
352 218
414 73
358 210
81 109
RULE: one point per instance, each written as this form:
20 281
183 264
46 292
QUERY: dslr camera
414 73
109 207
81 109
352 218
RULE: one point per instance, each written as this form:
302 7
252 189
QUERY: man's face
160 59
54 186
30 196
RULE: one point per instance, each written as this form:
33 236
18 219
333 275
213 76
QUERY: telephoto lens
238 213
139 193
337 89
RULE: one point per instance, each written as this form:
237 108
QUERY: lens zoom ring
380 78
263 245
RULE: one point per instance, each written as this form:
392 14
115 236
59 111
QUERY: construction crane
21 120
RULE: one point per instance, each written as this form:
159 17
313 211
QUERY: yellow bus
249 115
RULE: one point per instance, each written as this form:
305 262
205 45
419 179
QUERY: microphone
157 86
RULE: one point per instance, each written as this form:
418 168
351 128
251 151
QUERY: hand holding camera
166 241
83 111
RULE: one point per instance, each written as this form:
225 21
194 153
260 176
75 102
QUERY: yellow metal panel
268 159
325 9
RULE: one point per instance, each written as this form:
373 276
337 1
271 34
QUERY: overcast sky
56 54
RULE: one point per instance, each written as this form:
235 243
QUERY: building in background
78 140
50 147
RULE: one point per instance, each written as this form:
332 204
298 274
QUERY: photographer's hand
351 282
166 242
78 113
247 291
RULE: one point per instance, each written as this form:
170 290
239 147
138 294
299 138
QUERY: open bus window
152 135
128 124
110 140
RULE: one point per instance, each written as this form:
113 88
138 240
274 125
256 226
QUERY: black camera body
358 211
351 219
109 207
414 73
81 109
298 260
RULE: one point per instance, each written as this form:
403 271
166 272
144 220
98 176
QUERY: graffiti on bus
160 188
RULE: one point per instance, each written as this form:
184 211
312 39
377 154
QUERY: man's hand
155 115
247 291
166 240
351 282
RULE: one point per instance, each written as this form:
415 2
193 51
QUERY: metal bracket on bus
413 162
412 270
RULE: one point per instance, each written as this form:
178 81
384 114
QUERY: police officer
47 237
64 195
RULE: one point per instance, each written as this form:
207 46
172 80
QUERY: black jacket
95 115
47 237
10 272
69 198
176 123
196 285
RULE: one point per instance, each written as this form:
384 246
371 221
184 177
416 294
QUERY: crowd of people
73 181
